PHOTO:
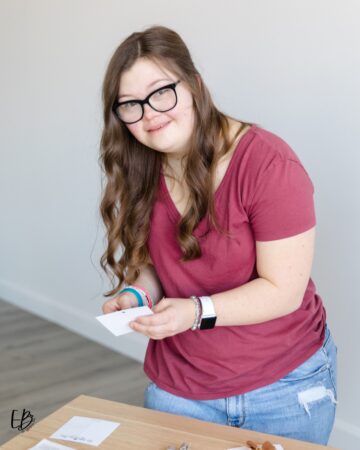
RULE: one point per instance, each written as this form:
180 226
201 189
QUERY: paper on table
44 444
85 430
238 448
118 321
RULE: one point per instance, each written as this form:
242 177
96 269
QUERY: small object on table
265 446
268 446
184 446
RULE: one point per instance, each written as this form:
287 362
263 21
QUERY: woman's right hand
122 301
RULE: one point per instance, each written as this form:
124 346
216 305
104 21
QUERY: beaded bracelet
197 312
135 292
146 295
140 294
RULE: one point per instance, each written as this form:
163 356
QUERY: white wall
293 67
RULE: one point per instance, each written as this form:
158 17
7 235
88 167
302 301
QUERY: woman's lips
159 129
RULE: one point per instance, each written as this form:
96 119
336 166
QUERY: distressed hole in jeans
314 394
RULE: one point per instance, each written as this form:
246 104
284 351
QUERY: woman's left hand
171 316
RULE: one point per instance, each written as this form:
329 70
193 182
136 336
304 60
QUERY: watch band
208 315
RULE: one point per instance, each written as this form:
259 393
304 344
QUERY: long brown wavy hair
131 169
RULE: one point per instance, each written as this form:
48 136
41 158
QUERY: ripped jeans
300 405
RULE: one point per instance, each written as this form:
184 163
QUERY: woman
216 221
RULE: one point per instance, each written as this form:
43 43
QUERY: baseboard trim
345 435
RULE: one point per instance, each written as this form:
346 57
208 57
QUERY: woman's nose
149 112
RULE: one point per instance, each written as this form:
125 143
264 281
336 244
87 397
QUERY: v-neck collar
174 212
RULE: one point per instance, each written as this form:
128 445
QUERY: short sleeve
282 204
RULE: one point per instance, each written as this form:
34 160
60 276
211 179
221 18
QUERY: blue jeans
300 405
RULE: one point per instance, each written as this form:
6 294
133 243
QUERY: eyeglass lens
161 100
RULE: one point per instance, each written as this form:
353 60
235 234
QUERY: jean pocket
150 385
330 351
314 365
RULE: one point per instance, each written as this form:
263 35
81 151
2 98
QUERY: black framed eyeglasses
162 99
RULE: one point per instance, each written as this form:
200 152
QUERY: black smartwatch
208 315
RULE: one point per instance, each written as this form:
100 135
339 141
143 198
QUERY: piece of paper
238 448
118 321
45 444
85 430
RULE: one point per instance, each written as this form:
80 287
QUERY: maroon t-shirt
266 194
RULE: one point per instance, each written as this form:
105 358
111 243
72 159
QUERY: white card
118 321
85 430
238 448
44 444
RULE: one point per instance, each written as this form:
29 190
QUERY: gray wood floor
43 366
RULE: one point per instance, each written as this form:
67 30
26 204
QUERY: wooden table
145 429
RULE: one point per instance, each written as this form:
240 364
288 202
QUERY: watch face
207 323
